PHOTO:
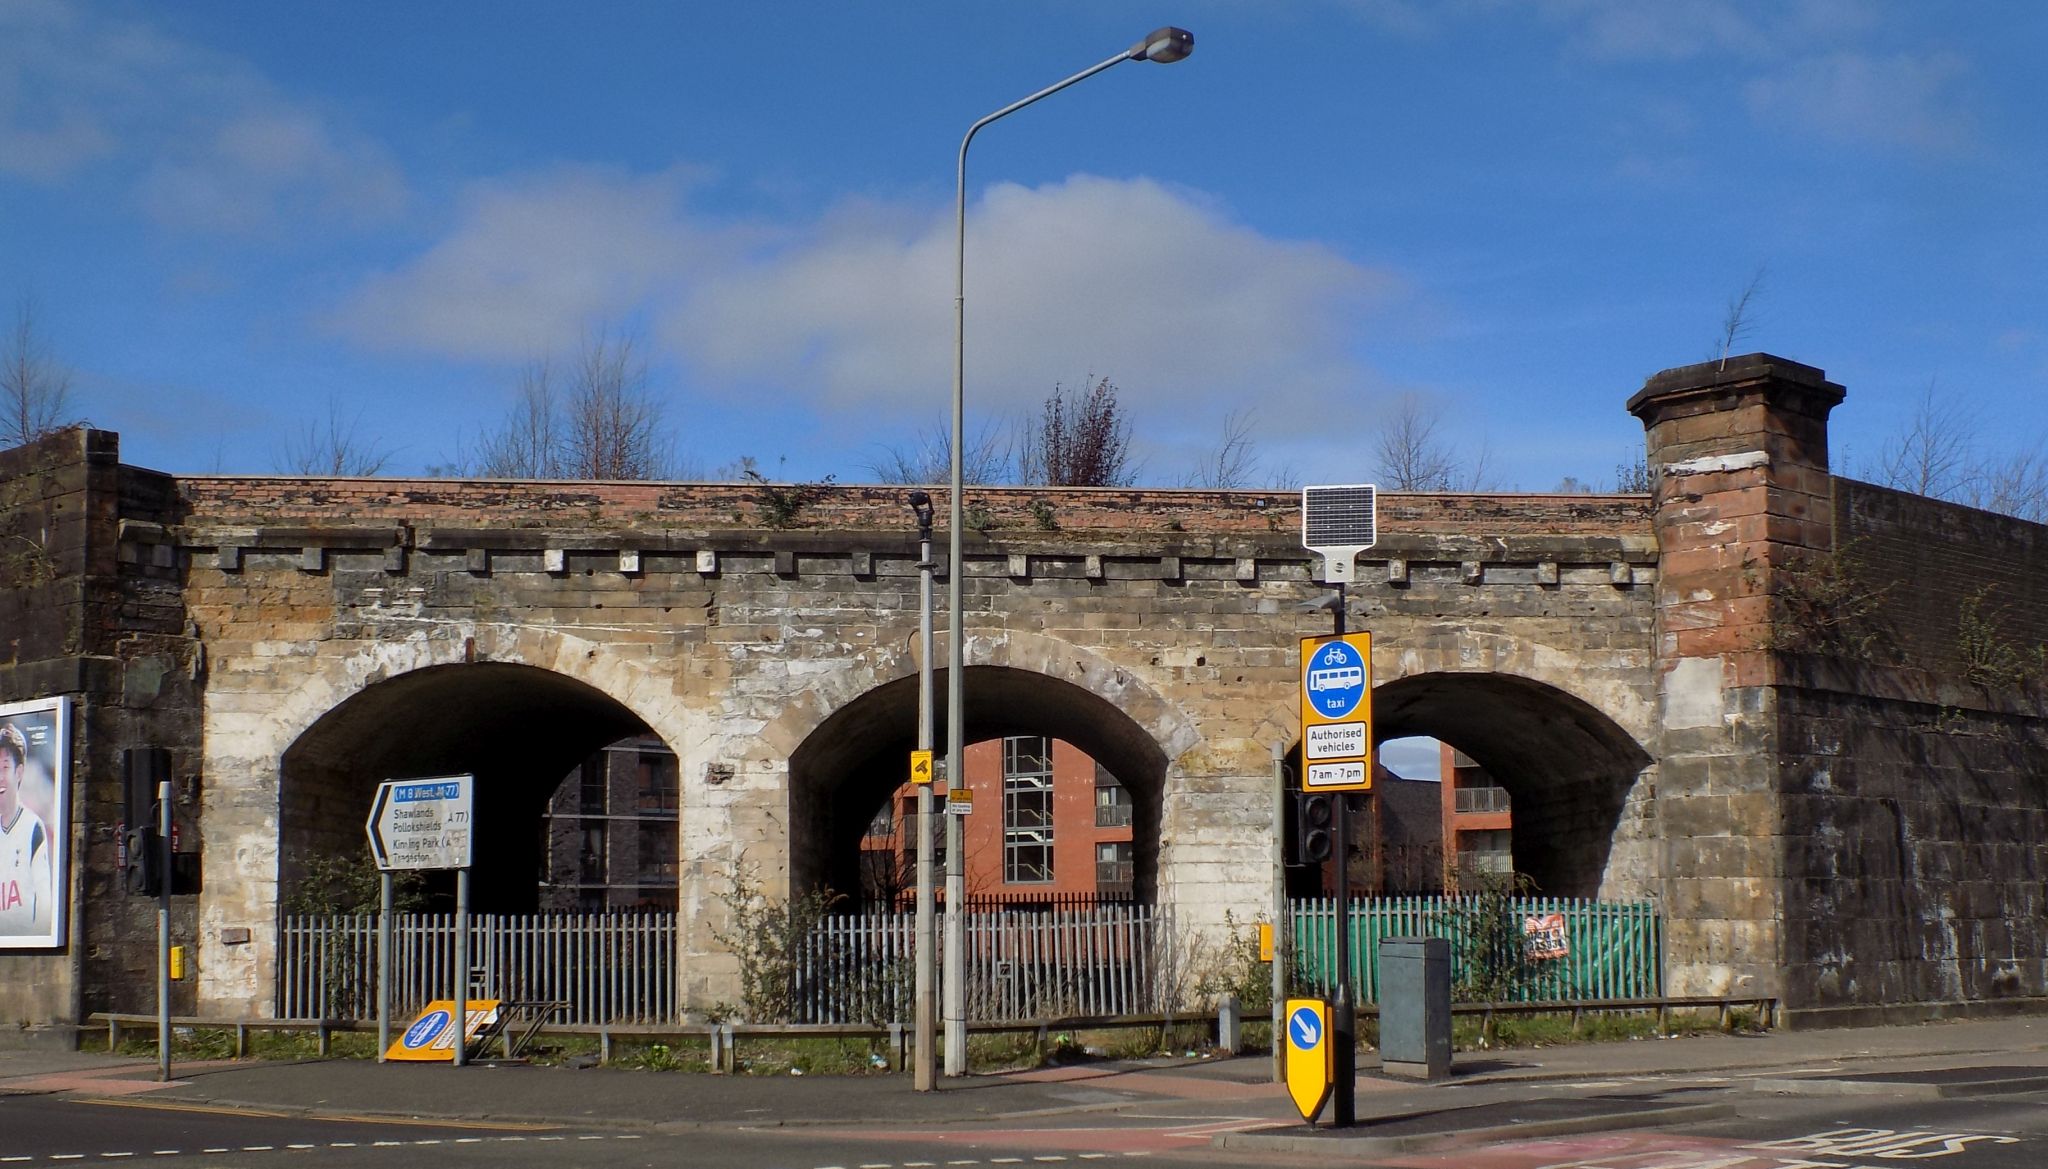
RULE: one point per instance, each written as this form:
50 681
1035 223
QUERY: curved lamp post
1164 45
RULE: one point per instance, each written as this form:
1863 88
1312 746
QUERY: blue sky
230 215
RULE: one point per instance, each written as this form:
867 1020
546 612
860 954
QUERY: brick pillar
1738 449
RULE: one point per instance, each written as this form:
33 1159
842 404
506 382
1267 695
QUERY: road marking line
11 1160
223 1149
67 1156
165 1152
302 1146
469 1140
110 1155
341 1144
1048 1158
1006 1160
626 1136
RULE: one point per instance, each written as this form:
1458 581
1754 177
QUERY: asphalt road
1781 1132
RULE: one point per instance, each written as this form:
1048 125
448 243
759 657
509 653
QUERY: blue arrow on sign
1305 1029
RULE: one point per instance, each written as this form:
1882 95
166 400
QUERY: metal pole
461 967
1283 923
1344 1023
956 518
163 932
924 1067
384 899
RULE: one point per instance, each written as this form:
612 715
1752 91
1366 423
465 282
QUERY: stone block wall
91 610
1915 755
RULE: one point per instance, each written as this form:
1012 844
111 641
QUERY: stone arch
1569 768
846 762
256 717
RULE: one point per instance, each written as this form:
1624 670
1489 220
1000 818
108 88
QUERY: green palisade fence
1613 950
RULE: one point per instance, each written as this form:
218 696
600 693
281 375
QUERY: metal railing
1577 950
605 967
1104 959
1484 799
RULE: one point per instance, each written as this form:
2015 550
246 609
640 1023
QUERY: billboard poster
35 770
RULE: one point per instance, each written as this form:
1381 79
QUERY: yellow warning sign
921 767
1310 1058
1265 941
432 1034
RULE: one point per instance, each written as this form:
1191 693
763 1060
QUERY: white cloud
532 264
1190 313
203 140
1898 100
1187 311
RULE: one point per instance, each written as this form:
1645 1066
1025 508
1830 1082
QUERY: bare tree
613 427
929 457
35 389
1935 453
528 445
1932 452
331 446
1085 443
1409 455
1232 462
2016 485
603 423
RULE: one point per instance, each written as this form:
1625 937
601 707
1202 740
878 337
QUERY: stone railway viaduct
1803 714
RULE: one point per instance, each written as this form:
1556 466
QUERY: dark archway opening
518 729
1567 769
846 770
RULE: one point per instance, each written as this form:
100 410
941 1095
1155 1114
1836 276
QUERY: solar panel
1338 517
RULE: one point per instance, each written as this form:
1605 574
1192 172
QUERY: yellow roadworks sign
920 767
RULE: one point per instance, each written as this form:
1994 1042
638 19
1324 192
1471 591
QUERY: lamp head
1164 45
921 507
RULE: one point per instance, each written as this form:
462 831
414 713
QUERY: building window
1112 800
884 823
1113 865
1027 810
1490 851
591 788
657 776
590 858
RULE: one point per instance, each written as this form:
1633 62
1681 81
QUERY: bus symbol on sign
1335 680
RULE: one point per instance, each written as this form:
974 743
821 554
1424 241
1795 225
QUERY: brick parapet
226 501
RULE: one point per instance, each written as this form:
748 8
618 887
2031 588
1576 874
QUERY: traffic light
142 873
1315 829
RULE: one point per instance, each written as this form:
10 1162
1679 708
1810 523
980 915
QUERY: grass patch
1473 1033
194 1044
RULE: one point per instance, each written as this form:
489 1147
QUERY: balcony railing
1112 815
1484 799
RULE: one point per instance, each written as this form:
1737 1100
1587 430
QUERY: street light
924 1062
1164 45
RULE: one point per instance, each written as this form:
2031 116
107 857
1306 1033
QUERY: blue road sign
1305 1028
427 1029
1334 680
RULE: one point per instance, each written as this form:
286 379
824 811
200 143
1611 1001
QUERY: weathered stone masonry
1623 663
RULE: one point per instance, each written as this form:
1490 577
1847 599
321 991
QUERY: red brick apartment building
1050 825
